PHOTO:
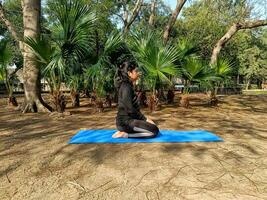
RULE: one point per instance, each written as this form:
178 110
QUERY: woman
130 122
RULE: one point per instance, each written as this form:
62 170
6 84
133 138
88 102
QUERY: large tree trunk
230 33
151 21
31 72
171 22
220 44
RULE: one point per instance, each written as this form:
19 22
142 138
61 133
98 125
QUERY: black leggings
139 129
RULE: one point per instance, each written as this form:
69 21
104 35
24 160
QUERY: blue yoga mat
104 136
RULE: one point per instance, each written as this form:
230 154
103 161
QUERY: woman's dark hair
122 73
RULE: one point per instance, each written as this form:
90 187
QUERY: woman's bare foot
120 134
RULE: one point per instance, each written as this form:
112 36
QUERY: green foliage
206 21
60 57
223 69
5 54
156 60
75 82
70 30
253 57
5 60
76 45
13 12
102 72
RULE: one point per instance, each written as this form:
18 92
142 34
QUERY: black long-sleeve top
128 106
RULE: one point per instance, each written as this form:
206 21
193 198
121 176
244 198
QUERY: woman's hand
150 121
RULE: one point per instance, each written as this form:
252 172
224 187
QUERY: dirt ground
37 163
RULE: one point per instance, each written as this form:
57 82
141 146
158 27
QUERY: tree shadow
10 168
30 133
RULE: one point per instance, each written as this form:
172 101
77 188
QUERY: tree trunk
238 79
31 72
184 101
152 102
125 14
220 44
161 95
12 101
99 105
135 12
59 101
170 96
151 21
230 33
108 101
75 98
248 84
171 22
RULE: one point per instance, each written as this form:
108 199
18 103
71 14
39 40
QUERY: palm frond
42 50
153 57
5 53
5 59
113 43
222 68
186 48
72 28
74 82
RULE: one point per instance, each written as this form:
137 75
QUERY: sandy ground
37 163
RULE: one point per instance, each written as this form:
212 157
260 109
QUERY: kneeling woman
130 122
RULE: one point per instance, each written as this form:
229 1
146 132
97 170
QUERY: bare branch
231 32
171 22
135 12
114 13
152 15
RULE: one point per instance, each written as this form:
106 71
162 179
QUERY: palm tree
195 71
101 73
61 53
5 59
74 83
222 69
156 60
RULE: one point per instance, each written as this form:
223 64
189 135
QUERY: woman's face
134 74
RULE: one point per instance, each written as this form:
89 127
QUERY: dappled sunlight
34 152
